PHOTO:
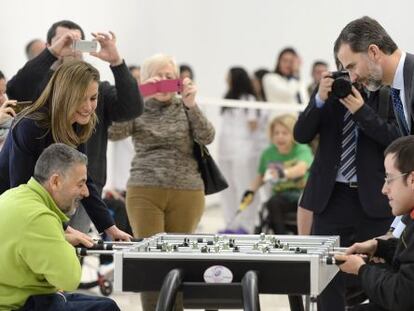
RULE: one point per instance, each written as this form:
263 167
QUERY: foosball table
222 270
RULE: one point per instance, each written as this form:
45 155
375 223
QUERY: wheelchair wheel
106 287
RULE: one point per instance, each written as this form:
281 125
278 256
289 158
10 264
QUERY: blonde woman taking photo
64 113
165 192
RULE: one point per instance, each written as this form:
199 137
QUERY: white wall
210 35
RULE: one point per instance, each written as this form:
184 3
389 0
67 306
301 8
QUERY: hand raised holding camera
108 52
354 101
62 46
325 86
150 81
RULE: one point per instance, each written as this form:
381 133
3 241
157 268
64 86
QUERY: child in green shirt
284 164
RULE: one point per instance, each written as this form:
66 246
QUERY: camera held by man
342 85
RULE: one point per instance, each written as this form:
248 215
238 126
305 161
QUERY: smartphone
148 89
85 46
21 105
164 86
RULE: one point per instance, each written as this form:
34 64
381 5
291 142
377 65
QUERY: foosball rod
83 251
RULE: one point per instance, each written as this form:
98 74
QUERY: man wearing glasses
390 286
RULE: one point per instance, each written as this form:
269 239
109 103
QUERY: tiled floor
211 222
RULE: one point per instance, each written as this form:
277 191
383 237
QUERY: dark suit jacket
374 135
408 73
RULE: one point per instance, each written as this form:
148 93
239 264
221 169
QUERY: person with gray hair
57 159
34 47
37 262
165 191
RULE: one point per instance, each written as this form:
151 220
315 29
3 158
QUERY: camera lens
341 87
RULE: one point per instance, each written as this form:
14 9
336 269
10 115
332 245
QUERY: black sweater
391 286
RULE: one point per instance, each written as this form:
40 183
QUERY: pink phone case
164 86
148 89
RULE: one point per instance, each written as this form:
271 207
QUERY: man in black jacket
346 199
372 58
118 103
390 286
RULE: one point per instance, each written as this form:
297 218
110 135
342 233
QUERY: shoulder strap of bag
203 149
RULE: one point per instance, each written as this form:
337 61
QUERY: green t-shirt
271 157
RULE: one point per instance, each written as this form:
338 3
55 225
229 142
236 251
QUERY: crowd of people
326 164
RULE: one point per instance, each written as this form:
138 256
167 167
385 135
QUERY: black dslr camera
342 85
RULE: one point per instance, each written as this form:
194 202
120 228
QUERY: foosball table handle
250 288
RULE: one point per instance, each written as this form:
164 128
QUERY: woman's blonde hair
286 120
57 104
156 62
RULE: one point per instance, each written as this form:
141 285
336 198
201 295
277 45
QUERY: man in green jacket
37 264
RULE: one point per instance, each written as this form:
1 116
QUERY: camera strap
384 100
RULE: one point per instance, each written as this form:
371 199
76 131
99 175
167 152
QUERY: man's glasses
388 179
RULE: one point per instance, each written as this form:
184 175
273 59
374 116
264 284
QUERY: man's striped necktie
348 156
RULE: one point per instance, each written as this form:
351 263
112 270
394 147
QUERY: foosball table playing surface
214 265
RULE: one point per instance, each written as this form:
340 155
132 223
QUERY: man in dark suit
346 177
372 58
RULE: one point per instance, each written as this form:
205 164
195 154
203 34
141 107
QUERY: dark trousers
69 302
368 307
279 206
345 217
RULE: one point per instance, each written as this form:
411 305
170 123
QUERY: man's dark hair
133 67
57 158
403 150
363 32
184 67
2 75
65 24
319 63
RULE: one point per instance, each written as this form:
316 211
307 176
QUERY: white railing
211 107
279 107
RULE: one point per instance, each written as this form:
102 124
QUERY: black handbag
213 179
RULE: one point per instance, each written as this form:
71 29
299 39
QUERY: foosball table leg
169 289
250 290
296 303
313 306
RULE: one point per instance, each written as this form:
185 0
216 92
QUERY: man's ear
410 180
55 182
374 52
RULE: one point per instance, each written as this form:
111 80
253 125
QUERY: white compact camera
85 46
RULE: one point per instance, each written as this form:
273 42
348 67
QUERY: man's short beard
373 84
374 79
70 212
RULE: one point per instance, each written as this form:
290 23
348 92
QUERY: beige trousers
154 210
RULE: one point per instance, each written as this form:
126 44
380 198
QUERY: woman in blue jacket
64 113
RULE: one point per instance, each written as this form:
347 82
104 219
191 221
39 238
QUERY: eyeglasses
389 179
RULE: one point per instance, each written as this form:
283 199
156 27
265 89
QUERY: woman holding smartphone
165 192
